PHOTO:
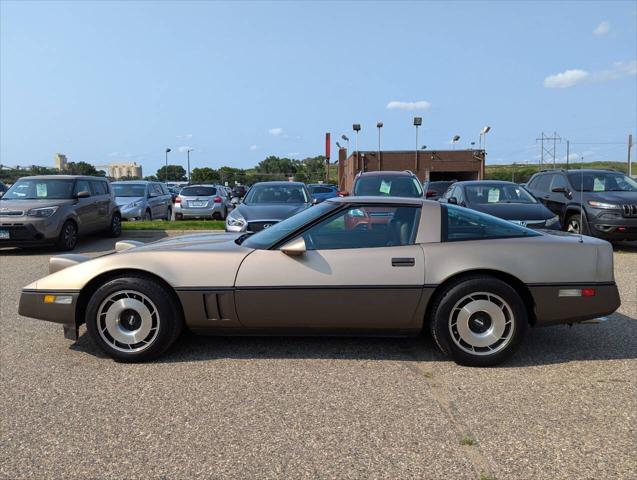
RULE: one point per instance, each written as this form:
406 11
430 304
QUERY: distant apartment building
60 161
121 170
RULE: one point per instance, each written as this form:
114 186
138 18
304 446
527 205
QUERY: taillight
217 199
178 200
342 194
588 292
431 193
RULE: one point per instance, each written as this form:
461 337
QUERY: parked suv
141 200
57 209
435 190
608 199
387 184
203 201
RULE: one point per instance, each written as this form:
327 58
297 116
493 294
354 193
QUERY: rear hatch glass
198 191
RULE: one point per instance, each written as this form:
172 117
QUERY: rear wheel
479 321
169 214
67 240
133 318
115 228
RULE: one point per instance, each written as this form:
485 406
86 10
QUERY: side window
98 187
458 194
542 183
82 186
157 189
558 181
461 224
365 227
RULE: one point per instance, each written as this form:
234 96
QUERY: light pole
379 125
454 140
483 138
188 153
166 173
346 138
417 123
357 128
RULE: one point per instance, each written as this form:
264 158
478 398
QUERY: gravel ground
564 407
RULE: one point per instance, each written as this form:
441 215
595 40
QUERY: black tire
225 214
179 216
148 216
165 326
115 228
67 240
449 331
576 224
169 214
216 216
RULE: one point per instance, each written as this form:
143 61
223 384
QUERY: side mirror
560 190
83 194
294 248
453 200
235 200
315 201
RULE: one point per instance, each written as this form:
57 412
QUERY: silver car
141 200
203 201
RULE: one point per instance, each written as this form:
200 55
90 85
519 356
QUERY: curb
166 233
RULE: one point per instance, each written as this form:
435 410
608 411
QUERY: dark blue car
322 191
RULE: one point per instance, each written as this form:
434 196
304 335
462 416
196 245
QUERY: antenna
581 202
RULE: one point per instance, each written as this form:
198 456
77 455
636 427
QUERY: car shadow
613 340
625 246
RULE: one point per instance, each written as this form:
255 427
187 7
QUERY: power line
546 148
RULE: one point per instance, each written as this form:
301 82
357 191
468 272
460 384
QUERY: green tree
232 175
82 168
313 169
205 175
172 173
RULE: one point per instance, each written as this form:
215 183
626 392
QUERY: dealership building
426 164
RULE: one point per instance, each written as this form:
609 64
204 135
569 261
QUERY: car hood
612 197
9 205
270 211
515 211
193 242
122 201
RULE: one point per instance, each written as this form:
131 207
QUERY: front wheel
68 236
115 228
479 321
133 318
575 223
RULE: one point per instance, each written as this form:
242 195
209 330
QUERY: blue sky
121 81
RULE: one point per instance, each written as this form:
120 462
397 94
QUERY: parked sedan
506 200
439 267
203 201
266 204
141 200
57 209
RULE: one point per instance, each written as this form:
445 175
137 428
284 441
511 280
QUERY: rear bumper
32 305
553 309
198 212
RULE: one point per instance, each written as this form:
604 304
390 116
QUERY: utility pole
630 146
568 145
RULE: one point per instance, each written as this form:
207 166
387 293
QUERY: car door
99 189
540 188
556 200
86 208
156 201
358 273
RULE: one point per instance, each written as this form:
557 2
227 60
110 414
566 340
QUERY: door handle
403 262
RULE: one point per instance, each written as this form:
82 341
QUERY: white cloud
186 136
276 132
570 78
184 148
293 154
566 79
602 29
417 105
253 147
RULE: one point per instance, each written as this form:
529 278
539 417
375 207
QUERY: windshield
129 189
277 232
263 194
438 187
198 191
602 182
389 186
34 189
494 193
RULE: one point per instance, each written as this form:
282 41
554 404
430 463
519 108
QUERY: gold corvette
349 266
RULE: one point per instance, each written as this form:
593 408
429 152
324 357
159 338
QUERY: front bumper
33 232
132 213
552 309
32 305
611 225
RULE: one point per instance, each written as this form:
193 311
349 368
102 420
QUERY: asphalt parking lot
564 407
